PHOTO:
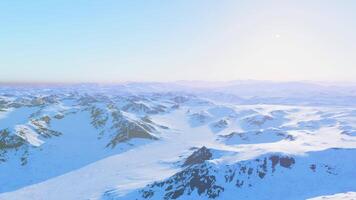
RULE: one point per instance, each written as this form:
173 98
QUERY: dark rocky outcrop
126 129
12 143
203 178
197 178
284 161
42 126
199 156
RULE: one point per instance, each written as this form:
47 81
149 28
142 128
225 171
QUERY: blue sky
113 41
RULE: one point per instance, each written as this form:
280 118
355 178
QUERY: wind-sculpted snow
137 141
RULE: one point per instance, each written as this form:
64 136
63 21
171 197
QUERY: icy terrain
183 140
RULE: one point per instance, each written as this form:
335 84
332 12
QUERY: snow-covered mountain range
179 140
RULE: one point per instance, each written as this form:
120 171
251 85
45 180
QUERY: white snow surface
139 162
339 196
142 165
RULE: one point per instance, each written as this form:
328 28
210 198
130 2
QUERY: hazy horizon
198 83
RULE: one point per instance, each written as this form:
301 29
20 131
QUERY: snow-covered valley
140 141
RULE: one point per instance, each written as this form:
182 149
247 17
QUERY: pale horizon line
34 83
